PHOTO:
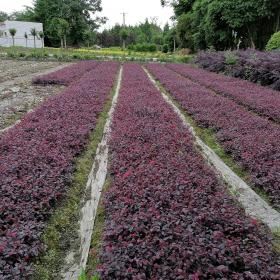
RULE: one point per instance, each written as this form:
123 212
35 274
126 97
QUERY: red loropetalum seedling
66 75
255 66
37 163
262 100
253 141
167 215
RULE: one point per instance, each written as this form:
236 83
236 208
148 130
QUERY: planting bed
66 75
252 140
37 161
167 215
261 100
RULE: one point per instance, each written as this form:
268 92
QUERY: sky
137 10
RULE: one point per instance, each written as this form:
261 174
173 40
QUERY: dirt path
18 95
76 261
12 69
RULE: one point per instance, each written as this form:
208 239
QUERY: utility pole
123 14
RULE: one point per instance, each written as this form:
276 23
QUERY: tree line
74 23
198 25
225 24
146 36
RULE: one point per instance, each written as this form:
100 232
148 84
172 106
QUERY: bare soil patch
17 93
11 69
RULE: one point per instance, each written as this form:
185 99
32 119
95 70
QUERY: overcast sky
137 10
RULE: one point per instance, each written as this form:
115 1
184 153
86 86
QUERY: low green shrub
274 42
230 58
143 47
165 48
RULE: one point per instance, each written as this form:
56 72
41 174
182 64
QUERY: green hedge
274 42
143 47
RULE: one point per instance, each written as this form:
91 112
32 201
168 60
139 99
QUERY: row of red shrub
252 140
256 66
66 75
261 100
37 162
167 215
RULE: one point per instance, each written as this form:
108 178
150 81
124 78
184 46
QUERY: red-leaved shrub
66 75
167 215
262 100
36 164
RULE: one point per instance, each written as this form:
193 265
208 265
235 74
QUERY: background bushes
274 42
255 66
145 47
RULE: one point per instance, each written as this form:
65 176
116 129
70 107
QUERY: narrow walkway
75 262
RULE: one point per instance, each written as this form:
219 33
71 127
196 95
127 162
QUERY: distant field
85 54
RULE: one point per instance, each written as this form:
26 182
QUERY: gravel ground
10 69
17 93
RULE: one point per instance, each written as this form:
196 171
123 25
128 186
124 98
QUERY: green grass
85 54
96 240
276 240
61 232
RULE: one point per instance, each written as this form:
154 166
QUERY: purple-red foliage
66 75
252 140
167 216
261 100
36 164
255 66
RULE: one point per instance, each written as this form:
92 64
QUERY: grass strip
96 240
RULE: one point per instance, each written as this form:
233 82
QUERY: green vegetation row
225 24
87 54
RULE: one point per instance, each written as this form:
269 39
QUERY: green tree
33 33
26 38
61 28
158 40
89 37
147 32
27 14
180 6
3 16
42 35
124 36
250 18
223 23
13 32
77 13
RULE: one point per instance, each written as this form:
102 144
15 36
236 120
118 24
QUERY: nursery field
161 209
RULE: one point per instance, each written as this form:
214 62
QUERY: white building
21 27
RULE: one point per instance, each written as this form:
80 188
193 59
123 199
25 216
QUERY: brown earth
17 93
